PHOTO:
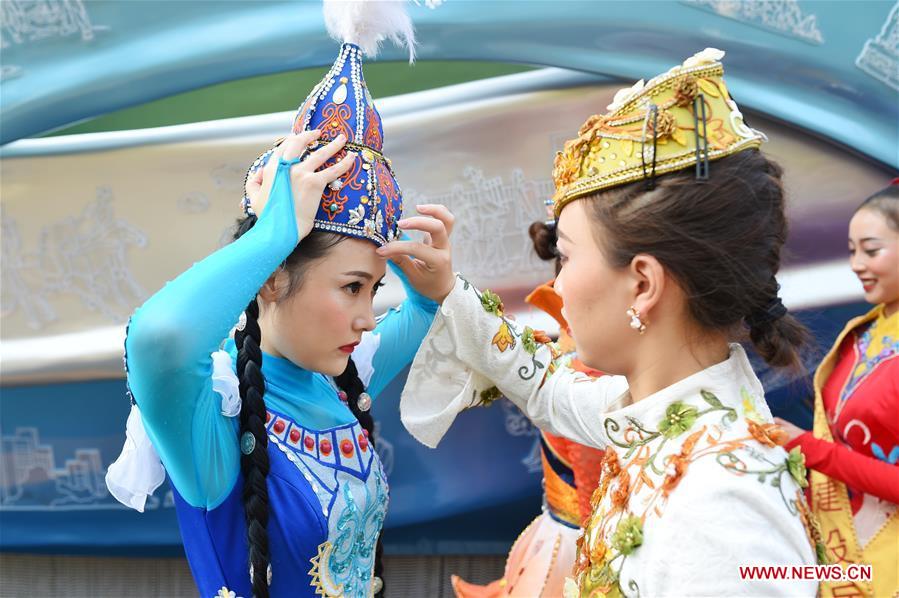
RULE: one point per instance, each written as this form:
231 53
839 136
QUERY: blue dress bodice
327 498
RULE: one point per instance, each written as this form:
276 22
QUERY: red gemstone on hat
363 442
325 447
294 435
342 396
346 447
309 443
279 426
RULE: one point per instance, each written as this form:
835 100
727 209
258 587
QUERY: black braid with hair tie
773 311
254 462
350 383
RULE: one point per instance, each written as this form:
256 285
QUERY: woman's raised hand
428 264
306 181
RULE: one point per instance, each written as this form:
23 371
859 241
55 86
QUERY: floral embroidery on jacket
507 334
613 532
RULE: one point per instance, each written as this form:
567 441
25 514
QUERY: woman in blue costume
266 435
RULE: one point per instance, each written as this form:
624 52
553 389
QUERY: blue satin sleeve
401 331
172 336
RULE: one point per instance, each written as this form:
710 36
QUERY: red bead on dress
279 426
363 442
325 447
309 443
294 435
346 447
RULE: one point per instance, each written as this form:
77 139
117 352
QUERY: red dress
861 403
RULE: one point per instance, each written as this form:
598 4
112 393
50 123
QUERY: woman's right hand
306 181
792 431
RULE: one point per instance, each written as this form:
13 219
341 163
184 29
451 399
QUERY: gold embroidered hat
680 119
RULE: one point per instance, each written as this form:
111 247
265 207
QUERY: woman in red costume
853 451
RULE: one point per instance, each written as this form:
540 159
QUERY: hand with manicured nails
428 264
306 181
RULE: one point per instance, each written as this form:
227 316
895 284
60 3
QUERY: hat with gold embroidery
366 202
681 119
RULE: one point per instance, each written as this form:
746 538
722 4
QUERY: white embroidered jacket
693 485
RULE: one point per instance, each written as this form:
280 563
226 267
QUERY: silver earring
636 323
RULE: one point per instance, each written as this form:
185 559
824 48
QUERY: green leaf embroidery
711 399
821 553
796 466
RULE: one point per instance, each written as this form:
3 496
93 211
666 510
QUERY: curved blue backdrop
799 61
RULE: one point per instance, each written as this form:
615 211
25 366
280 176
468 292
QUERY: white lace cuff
138 472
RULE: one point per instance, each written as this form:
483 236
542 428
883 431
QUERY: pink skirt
540 560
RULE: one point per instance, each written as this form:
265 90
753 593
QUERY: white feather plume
367 23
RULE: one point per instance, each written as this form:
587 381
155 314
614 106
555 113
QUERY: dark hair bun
544 238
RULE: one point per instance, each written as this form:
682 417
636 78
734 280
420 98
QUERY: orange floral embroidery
591 123
610 464
679 467
667 125
598 551
686 90
621 493
503 339
679 463
583 559
767 434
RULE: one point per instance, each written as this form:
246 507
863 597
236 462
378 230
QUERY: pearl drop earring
636 322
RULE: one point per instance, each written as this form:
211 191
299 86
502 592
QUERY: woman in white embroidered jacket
670 226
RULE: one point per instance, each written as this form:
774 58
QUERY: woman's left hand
792 431
427 264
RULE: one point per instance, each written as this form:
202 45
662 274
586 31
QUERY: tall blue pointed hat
366 202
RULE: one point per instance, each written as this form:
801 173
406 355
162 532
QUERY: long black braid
253 439
254 449
350 383
252 434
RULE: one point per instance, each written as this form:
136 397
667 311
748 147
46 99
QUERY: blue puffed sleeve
171 339
401 330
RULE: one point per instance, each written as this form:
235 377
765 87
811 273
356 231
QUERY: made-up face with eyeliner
319 325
